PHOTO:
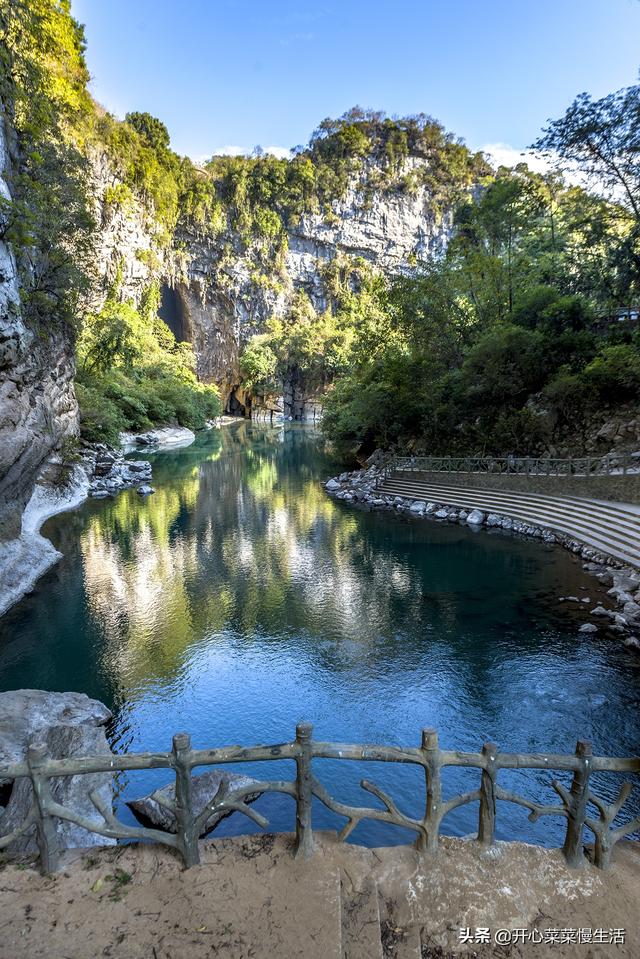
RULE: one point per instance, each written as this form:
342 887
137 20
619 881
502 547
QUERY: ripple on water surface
240 599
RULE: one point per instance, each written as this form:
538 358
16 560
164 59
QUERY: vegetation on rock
509 341
500 343
132 374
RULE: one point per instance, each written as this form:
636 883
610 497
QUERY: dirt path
249 899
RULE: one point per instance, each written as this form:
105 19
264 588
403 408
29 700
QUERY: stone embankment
365 489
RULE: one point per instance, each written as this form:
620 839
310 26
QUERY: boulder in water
150 812
68 725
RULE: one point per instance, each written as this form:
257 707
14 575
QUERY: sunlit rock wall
38 408
224 302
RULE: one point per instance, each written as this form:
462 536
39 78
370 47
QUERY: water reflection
240 598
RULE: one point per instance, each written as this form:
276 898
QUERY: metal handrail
182 759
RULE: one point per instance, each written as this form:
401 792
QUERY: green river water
241 599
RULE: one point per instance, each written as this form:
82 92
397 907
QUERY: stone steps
589 527
361 932
369 930
610 528
625 512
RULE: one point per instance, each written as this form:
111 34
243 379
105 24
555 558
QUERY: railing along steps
608 528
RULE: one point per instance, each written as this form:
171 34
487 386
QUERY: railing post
304 793
185 820
577 809
45 826
487 816
431 752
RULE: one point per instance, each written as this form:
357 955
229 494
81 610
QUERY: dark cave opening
172 312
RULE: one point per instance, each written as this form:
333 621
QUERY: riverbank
362 488
26 558
250 897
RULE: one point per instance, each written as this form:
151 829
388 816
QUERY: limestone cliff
128 251
220 293
37 401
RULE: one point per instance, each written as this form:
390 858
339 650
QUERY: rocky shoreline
358 488
109 472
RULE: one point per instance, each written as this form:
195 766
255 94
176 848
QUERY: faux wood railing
607 465
573 802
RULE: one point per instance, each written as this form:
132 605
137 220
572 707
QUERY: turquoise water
240 599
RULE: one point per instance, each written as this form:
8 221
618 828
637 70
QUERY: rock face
125 244
68 724
38 408
151 810
221 296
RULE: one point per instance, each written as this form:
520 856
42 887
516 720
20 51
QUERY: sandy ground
249 899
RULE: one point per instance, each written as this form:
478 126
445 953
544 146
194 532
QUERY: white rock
418 507
165 437
588 628
475 518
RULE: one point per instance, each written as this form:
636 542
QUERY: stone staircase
607 527
370 928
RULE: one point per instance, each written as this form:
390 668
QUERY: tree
152 129
602 139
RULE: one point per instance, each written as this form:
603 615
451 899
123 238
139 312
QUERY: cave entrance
238 405
172 312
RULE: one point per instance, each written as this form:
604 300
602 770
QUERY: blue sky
237 73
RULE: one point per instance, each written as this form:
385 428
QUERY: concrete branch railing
573 802
608 465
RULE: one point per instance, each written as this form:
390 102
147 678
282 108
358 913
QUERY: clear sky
237 73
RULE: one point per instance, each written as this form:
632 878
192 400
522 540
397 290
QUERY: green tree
151 129
602 139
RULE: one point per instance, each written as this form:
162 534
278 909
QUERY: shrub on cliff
133 375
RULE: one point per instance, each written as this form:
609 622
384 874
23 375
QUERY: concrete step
632 510
624 549
623 516
567 520
361 934
403 943
400 934
615 535
586 511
